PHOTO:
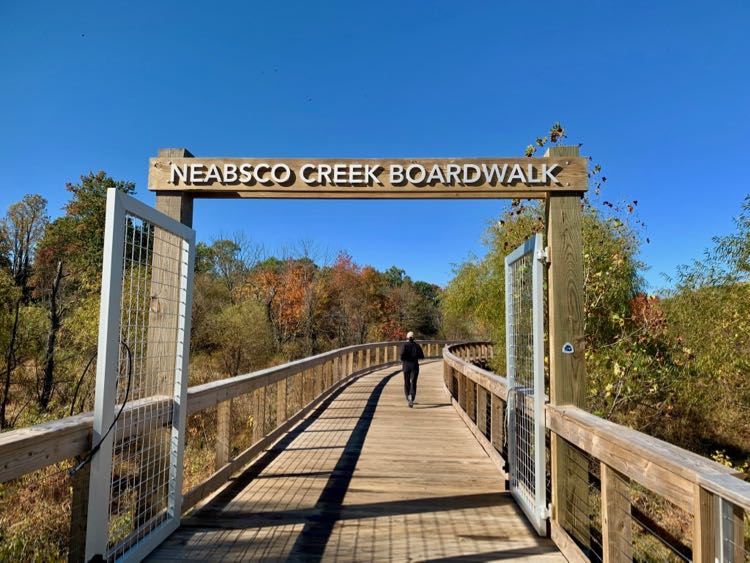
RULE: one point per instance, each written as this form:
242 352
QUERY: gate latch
543 254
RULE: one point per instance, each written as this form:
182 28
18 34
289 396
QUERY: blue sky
656 91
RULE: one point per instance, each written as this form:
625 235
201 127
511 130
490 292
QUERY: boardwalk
365 478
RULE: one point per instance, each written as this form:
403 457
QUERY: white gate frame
119 205
538 513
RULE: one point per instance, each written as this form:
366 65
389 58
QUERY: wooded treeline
251 309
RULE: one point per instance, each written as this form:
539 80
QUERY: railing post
617 536
79 515
223 433
350 363
367 358
481 409
317 372
496 423
704 525
471 395
281 414
461 389
258 414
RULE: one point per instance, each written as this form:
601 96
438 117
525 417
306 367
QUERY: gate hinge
543 255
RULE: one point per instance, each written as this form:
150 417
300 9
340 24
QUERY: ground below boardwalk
365 478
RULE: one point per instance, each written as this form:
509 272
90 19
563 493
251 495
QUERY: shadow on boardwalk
365 478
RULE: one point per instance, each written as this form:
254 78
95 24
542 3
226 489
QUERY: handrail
28 449
714 494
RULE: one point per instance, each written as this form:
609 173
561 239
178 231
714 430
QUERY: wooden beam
567 349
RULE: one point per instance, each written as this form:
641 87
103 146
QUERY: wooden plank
28 449
704 526
617 533
529 178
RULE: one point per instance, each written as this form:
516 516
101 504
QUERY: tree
242 337
77 238
67 272
23 226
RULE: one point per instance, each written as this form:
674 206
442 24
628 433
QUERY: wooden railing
635 497
273 400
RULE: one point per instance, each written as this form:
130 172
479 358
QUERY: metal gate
524 343
135 491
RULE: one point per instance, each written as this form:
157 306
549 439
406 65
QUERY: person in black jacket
411 353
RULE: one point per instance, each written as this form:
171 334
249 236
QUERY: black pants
411 373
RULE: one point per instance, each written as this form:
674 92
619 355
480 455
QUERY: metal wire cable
82 461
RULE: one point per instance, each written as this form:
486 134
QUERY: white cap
410 334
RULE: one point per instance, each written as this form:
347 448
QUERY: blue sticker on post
567 348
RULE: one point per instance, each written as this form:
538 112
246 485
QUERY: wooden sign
369 178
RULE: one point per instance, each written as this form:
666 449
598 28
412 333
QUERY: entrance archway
560 179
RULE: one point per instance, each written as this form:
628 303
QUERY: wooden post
704 525
161 343
259 399
481 409
496 423
617 533
317 372
281 394
350 364
79 510
223 433
368 359
471 390
567 368
461 389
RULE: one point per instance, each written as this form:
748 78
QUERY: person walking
411 353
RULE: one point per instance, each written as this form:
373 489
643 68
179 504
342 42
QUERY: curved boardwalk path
365 478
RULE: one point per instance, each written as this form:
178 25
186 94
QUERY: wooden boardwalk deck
365 478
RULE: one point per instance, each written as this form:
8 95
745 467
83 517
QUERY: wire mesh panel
524 338
141 386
